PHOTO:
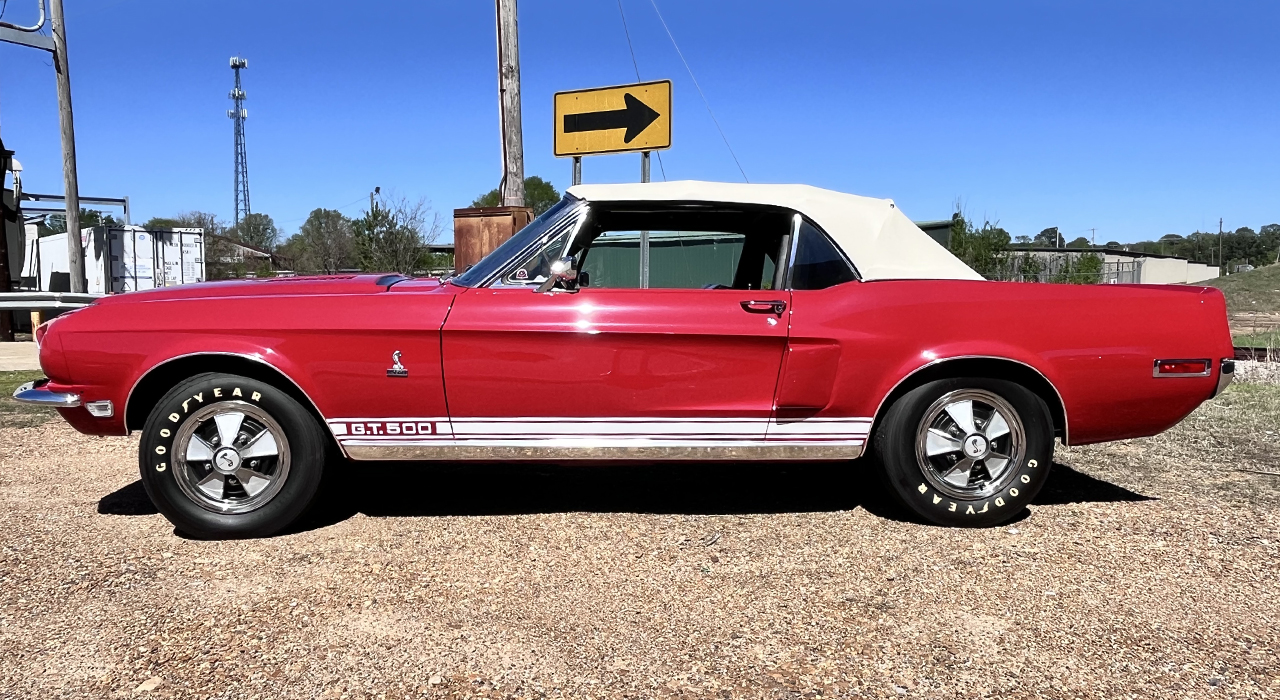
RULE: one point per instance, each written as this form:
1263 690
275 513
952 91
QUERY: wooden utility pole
1222 264
6 280
509 104
75 251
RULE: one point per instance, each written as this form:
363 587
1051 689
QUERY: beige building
1126 267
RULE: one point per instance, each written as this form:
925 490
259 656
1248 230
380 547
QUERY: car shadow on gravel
128 500
424 490
1066 485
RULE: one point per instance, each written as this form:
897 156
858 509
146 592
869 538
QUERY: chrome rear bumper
36 394
1226 373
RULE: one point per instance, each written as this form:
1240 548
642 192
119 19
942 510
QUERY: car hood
275 287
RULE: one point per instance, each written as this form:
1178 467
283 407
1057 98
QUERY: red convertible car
667 321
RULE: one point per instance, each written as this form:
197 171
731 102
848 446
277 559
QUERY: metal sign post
644 235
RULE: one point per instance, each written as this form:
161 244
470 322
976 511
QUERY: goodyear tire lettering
1013 493
164 432
184 405
952 507
984 507
160 449
174 418
922 489
969 511
160 466
937 499
199 397
999 502
236 392
1026 478
217 392
1032 464
255 396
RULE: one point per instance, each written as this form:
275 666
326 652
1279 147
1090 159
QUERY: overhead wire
636 65
705 102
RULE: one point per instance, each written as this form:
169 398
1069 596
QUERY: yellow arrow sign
616 119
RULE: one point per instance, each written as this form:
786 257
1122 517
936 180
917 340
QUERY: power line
699 87
624 29
636 65
337 209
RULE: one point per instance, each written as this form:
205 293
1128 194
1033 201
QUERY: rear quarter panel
1095 344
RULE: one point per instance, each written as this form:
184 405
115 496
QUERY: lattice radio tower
238 115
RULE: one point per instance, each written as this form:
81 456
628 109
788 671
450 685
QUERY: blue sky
1134 118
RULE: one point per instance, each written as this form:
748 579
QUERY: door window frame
582 214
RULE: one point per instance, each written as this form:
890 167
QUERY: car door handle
773 306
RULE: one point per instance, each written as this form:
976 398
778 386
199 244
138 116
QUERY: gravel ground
1125 580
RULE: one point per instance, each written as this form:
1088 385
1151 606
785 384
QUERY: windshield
547 223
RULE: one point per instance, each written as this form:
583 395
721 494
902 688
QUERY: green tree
1047 238
57 223
325 243
539 195
1087 269
393 236
983 249
257 230
1080 242
1029 267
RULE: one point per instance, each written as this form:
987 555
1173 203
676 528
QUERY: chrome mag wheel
969 443
231 457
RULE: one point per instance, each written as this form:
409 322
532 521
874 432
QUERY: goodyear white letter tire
966 452
224 456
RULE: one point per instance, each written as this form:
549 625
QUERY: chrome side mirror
562 274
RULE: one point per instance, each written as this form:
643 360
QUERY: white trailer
117 259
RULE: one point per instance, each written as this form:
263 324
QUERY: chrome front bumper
36 394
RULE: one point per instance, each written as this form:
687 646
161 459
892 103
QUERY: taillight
1182 368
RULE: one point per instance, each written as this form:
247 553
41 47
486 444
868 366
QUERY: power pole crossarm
75 251
509 101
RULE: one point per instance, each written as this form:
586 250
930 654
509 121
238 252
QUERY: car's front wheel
966 452
224 456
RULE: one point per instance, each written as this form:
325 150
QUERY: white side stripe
599 432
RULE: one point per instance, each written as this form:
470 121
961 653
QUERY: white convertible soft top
880 240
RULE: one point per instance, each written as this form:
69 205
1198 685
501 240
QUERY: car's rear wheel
224 456
966 452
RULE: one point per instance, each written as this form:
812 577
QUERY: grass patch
1261 339
1256 290
19 415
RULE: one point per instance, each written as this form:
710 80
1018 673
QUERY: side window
818 264
694 259
613 260
688 248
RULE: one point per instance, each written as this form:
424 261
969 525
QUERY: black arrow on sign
635 118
